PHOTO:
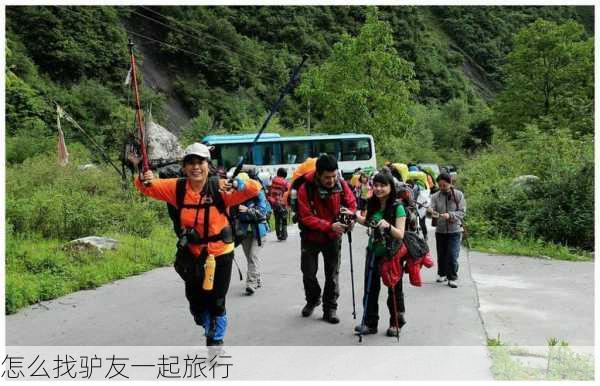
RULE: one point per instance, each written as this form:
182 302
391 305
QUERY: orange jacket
164 190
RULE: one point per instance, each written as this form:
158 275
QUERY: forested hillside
498 91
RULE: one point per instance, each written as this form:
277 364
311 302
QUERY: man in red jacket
320 199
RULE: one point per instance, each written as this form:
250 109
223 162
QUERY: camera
346 218
188 235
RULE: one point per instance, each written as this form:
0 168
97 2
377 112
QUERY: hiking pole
238 268
393 289
138 113
287 89
352 274
367 292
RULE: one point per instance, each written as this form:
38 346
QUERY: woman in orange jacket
205 234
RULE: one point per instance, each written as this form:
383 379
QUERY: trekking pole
238 268
288 88
352 275
366 301
138 113
396 311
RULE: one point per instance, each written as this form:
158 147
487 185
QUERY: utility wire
197 35
202 59
189 28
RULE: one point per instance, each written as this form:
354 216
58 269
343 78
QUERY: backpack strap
175 211
454 198
211 190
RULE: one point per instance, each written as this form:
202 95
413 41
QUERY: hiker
364 191
252 227
279 185
320 198
448 208
387 216
355 180
206 235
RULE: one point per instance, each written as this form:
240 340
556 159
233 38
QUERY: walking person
320 199
387 215
253 227
364 191
449 207
205 244
279 185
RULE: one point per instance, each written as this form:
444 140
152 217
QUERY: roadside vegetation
558 362
500 92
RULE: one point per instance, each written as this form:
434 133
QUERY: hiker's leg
331 260
309 263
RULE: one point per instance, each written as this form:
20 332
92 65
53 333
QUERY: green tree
364 86
550 79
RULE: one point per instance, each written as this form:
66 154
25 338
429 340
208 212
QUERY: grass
529 247
38 269
562 363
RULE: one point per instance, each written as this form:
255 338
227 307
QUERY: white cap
197 149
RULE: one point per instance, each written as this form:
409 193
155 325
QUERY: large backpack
298 178
406 196
275 194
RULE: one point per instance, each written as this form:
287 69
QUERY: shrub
558 207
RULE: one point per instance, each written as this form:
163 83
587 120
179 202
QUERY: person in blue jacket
252 228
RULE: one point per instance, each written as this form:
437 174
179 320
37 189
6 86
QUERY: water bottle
209 273
293 197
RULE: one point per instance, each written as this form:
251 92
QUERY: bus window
295 152
231 153
331 147
266 154
356 149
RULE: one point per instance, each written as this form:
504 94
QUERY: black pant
372 306
192 271
309 263
280 223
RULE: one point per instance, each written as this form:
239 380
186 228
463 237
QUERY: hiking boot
441 279
309 308
249 291
365 330
452 284
393 331
331 317
214 342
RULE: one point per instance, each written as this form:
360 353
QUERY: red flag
63 154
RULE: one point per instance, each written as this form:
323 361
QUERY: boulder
525 180
87 167
92 242
162 145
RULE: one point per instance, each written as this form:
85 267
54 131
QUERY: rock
87 167
92 242
525 180
162 145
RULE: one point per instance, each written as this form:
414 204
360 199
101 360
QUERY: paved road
525 300
150 309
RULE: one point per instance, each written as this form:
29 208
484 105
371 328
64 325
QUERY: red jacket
316 215
391 269
278 187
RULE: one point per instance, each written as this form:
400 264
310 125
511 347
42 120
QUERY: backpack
298 178
417 247
212 191
406 195
275 194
